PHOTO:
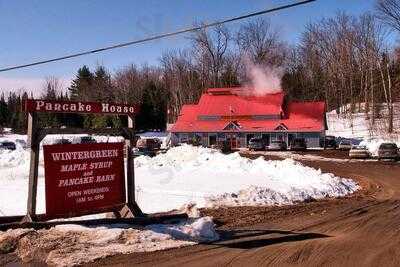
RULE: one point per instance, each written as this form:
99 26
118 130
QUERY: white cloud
34 85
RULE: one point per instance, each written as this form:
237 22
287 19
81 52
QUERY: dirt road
363 229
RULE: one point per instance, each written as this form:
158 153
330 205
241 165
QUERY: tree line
344 60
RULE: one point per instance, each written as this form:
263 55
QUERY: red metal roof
220 101
300 116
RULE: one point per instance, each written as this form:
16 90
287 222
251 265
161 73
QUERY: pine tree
4 112
80 88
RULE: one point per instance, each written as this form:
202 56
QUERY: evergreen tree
80 88
4 112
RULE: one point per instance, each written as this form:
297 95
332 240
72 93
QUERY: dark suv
328 142
299 144
256 144
277 145
7 145
388 151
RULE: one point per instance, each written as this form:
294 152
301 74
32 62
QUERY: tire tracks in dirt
362 229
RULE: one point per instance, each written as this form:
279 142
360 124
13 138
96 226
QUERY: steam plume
263 80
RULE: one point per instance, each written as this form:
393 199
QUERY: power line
156 37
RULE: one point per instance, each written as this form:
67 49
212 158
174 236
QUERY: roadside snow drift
69 245
198 176
209 178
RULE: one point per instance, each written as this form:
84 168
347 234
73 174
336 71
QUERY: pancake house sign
33 105
83 178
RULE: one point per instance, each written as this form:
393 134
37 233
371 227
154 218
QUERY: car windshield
360 147
345 142
7 143
388 146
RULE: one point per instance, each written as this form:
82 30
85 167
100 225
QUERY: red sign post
83 178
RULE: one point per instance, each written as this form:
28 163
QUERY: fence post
34 145
130 172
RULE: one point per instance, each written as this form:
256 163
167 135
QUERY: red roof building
230 114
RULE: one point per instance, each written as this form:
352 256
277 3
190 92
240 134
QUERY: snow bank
68 245
209 178
186 174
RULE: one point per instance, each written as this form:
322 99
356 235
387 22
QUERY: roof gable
232 125
281 127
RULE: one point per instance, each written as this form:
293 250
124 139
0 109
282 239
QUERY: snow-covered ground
190 175
359 126
71 244
184 177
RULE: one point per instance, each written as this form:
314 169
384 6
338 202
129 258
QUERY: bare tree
388 11
129 83
210 47
262 43
52 88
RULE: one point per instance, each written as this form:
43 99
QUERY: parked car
148 144
277 145
388 151
328 142
256 143
345 144
83 140
8 145
359 152
61 141
137 152
299 144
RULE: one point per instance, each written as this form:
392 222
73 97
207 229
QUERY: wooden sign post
36 135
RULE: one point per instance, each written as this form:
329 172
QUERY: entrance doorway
212 140
232 140
290 138
266 139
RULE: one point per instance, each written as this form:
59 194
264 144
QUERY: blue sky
40 29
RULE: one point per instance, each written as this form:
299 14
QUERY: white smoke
263 80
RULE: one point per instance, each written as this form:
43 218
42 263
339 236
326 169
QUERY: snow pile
68 245
209 178
186 174
14 171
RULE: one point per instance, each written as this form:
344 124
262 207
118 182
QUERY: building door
266 138
212 140
291 136
232 140
281 137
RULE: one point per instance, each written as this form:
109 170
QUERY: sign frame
36 135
